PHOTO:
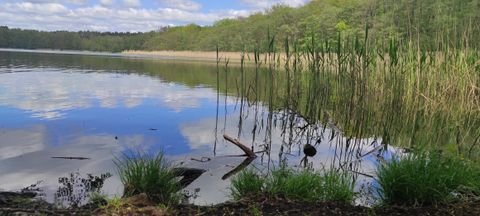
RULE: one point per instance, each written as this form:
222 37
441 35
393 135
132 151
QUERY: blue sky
125 15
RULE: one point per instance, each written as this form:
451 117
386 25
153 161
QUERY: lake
70 114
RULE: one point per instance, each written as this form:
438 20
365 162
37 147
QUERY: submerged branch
238 168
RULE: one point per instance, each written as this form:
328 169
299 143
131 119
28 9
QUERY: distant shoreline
65 52
197 56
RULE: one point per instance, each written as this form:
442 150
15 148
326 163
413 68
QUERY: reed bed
392 90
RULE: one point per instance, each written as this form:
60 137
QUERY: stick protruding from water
244 148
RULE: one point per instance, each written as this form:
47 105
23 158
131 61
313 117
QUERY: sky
125 15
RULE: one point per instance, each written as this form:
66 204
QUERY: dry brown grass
188 55
206 56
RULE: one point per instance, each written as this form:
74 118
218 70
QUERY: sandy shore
190 55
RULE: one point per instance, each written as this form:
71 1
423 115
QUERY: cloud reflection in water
50 94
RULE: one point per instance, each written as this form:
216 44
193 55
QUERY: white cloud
263 4
55 16
76 2
187 5
131 3
119 15
45 8
106 2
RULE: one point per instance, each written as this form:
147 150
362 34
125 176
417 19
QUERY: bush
149 174
426 179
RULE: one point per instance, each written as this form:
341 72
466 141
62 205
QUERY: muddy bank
20 205
285 207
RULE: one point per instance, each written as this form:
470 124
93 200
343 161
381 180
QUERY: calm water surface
58 105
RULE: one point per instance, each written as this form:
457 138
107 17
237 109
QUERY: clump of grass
149 174
427 179
338 187
302 185
305 186
247 183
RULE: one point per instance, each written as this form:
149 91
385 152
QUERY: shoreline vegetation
403 83
415 184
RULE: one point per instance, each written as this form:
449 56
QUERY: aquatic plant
150 174
426 179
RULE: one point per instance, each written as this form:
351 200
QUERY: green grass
247 183
149 174
305 186
427 179
302 185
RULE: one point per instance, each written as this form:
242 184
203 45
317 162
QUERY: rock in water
309 150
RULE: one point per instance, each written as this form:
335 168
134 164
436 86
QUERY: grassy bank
414 184
303 186
422 183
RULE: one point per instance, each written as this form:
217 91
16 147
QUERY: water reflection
281 142
48 111
98 107
49 94
17 142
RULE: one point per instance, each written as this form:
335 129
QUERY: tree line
427 22
63 40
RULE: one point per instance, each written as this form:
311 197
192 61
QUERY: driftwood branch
72 158
244 148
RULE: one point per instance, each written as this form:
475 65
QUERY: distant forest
429 22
